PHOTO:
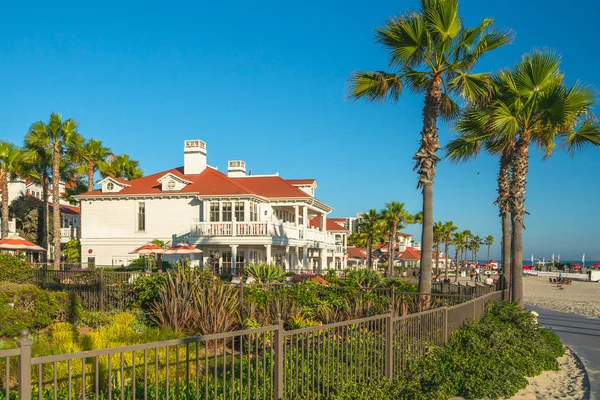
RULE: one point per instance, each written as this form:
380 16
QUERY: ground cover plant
489 358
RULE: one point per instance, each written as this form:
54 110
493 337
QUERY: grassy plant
266 273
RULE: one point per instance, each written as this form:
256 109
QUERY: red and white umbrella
149 249
18 243
183 249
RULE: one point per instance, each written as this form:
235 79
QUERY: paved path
582 334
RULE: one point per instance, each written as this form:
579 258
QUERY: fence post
24 372
393 300
101 294
389 345
474 308
279 359
445 324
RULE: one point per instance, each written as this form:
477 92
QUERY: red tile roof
301 181
330 225
210 183
410 254
64 209
355 252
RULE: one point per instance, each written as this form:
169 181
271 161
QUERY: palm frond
463 148
443 19
472 87
375 86
405 38
449 109
417 81
587 134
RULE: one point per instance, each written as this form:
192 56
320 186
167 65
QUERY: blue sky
266 82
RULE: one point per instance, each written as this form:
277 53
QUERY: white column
305 257
287 257
296 215
296 258
268 255
233 257
323 263
305 219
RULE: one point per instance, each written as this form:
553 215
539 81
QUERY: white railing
212 229
251 228
555 274
314 235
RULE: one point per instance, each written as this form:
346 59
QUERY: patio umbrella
151 249
148 249
596 265
183 249
16 242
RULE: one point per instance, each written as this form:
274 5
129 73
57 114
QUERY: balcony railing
284 230
67 234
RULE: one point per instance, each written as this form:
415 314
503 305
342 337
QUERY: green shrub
364 278
266 273
400 285
28 307
14 269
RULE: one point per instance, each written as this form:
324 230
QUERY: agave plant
266 273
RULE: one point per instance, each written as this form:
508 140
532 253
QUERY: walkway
582 334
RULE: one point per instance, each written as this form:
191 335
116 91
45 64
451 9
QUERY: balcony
260 229
67 234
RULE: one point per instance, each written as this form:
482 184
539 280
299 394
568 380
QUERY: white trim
110 178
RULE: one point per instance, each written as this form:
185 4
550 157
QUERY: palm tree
89 157
394 217
488 241
467 146
121 167
459 239
432 53
531 104
448 232
357 240
59 137
475 245
468 234
438 238
9 163
370 226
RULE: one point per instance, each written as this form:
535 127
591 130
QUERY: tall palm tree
459 240
59 136
532 104
370 226
475 245
357 240
447 234
468 237
432 53
438 238
488 241
121 166
394 217
89 157
467 146
10 158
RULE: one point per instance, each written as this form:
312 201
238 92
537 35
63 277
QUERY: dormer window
172 183
110 186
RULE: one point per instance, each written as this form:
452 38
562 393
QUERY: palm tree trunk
369 250
56 203
426 160
437 258
517 191
392 245
504 207
488 257
456 256
4 188
90 176
447 260
46 217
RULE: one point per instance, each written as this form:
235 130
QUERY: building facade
240 218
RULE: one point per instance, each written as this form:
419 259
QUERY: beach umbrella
148 249
14 243
183 249
596 265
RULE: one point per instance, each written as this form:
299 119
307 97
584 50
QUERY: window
239 259
253 212
141 222
226 211
226 261
110 186
214 212
170 184
239 211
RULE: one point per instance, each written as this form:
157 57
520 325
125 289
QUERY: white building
245 218
70 220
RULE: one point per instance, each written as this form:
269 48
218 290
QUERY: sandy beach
580 297
570 382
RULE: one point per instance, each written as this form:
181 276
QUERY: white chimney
194 157
236 168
